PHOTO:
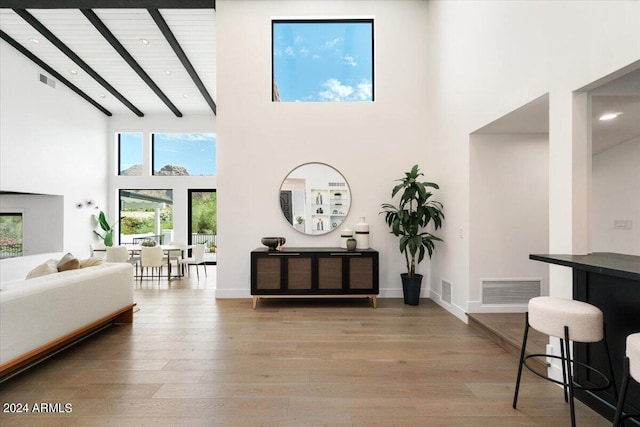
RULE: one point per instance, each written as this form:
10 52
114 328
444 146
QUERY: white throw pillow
49 267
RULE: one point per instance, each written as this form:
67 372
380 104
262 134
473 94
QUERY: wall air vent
446 292
47 80
509 291
337 184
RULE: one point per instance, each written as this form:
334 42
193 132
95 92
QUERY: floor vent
446 292
47 80
509 291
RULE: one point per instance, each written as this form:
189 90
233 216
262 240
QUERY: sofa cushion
48 267
90 262
68 262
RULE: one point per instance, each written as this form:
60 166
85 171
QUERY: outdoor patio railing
200 238
10 251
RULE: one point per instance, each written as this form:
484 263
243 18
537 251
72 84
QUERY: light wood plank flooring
191 360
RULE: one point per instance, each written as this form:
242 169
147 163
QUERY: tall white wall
51 142
616 196
488 58
159 123
260 141
509 206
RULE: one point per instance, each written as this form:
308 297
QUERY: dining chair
174 257
196 258
121 254
151 256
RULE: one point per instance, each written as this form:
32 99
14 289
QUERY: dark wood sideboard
313 273
611 282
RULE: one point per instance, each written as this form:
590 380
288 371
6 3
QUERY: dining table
168 250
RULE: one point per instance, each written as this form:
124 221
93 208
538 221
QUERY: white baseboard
232 293
457 311
478 307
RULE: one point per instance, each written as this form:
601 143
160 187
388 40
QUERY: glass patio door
203 225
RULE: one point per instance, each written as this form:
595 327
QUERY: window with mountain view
146 215
322 60
183 154
130 154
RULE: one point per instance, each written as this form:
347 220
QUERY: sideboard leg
374 300
255 302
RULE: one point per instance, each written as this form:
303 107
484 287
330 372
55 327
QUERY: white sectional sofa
41 315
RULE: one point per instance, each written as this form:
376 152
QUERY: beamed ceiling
122 57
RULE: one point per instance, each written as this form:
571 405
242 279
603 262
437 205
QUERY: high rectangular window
130 154
184 154
322 60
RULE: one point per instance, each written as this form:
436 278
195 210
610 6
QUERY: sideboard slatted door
299 274
330 273
361 273
268 273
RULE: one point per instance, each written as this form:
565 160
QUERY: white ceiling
194 29
619 95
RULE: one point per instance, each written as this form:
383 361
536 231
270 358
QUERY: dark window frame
327 21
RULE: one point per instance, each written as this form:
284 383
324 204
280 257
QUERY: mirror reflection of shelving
329 208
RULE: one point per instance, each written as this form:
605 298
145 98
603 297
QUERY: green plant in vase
107 237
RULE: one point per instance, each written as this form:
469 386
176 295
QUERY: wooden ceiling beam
173 42
108 4
113 41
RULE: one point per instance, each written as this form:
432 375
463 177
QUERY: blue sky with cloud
328 61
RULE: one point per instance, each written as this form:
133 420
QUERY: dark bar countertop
612 264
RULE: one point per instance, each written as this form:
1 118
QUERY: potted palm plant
408 220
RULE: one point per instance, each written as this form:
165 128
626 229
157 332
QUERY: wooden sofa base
124 315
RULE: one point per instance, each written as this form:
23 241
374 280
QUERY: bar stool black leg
623 393
522 352
564 372
608 353
569 376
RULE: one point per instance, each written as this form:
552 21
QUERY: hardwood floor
191 360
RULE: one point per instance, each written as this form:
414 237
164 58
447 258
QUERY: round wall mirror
315 198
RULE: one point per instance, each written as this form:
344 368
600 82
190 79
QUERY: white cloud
332 43
348 59
289 51
315 57
188 136
365 90
336 91
304 51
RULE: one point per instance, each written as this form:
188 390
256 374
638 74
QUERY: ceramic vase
362 234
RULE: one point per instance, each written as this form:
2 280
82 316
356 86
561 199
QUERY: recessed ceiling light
185 95
102 95
610 116
36 41
145 42
73 71
168 72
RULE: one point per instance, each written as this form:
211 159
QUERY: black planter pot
411 288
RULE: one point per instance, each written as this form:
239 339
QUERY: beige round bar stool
568 320
631 370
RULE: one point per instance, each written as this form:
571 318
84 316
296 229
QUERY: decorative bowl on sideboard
273 242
